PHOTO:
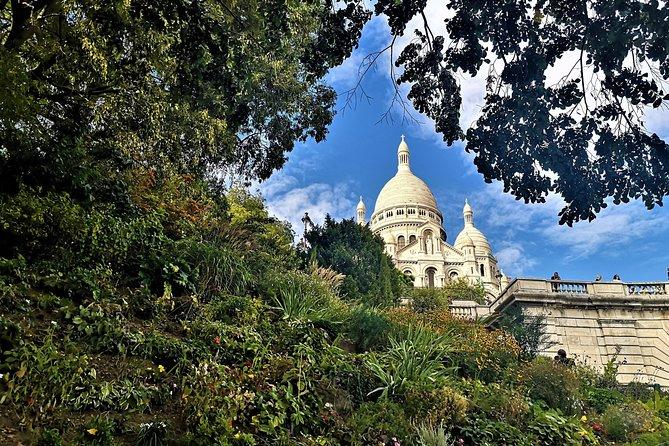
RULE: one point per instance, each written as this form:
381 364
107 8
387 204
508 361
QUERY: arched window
453 275
412 238
482 270
430 277
400 242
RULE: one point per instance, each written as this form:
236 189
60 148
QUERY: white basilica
406 216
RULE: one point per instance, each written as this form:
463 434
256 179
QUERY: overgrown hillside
142 302
193 322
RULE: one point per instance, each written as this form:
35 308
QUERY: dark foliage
581 136
353 250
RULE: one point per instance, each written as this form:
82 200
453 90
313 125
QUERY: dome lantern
360 211
468 213
403 157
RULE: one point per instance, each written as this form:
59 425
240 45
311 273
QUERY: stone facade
595 322
407 218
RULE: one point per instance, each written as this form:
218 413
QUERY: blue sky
359 156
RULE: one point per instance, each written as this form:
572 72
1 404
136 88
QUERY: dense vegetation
193 323
143 303
354 251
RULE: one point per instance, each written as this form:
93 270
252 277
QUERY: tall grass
429 435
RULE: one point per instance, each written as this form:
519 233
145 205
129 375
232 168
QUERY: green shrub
49 437
99 431
499 403
550 428
555 384
368 328
598 399
378 423
429 299
437 407
659 438
480 431
43 377
431 435
622 421
234 309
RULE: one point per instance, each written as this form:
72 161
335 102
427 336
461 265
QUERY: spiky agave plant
417 358
302 297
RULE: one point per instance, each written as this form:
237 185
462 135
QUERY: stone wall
595 321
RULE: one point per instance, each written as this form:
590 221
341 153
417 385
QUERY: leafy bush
429 299
550 428
43 377
554 384
484 432
368 328
622 421
443 406
49 437
499 403
379 423
99 431
598 399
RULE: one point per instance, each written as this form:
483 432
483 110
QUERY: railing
468 309
612 289
646 288
569 287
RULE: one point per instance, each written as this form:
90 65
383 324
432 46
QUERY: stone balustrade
597 322
468 309
593 288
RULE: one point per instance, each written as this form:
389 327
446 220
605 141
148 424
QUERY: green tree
91 91
528 331
582 135
353 250
430 299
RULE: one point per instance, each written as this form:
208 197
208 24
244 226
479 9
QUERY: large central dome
405 187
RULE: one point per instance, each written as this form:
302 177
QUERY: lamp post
306 221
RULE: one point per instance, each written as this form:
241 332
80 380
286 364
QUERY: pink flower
217 340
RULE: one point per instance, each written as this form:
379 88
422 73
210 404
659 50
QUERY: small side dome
361 205
470 232
463 240
471 236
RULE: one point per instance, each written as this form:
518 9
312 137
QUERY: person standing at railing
555 276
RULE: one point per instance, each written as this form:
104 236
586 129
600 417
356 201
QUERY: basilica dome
405 187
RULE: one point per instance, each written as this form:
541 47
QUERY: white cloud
513 259
616 228
288 202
